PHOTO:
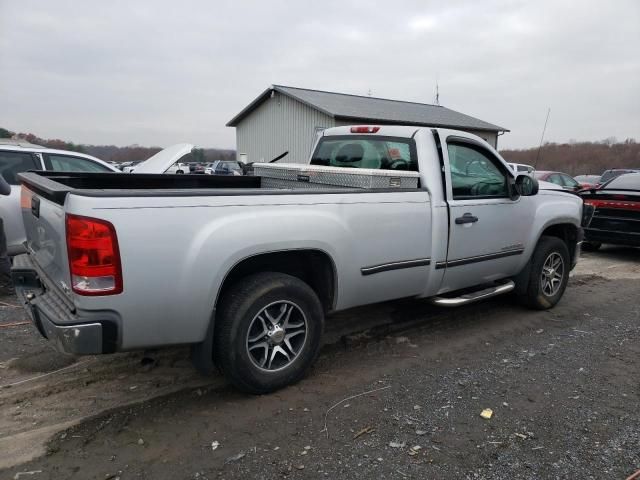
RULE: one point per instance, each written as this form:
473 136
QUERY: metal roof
360 108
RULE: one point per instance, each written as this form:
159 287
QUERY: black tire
238 313
179 172
591 246
529 285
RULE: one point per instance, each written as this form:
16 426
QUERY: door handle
466 218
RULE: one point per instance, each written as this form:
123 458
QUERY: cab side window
474 173
67 163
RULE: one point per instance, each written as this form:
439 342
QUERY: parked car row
567 182
218 167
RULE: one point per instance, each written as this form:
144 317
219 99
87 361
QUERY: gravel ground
562 385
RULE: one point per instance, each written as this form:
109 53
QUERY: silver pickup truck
246 268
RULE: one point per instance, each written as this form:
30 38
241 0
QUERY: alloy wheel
552 274
276 335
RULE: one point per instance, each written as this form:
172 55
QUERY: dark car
616 218
224 167
197 168
567 182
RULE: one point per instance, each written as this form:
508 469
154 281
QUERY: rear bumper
57 319
78 339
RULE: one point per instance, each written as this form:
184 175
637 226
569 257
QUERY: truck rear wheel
545 278
268 332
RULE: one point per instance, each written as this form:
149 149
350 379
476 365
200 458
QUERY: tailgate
44 223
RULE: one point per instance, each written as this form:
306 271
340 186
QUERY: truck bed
56 185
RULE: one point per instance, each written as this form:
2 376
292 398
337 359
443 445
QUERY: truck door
487 230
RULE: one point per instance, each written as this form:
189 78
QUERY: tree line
579 158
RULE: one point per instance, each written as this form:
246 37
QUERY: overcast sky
162 72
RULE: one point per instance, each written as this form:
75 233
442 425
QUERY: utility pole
544 129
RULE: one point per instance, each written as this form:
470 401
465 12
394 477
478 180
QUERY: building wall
490 137
280 124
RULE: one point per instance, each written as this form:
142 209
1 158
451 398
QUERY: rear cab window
360 151
13 163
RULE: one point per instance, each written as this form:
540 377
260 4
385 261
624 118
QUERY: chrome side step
474 296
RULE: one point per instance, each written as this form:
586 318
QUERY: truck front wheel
268 331
544 280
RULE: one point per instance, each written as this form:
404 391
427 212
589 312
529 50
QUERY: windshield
380 153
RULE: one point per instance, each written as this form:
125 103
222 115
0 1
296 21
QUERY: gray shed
287 119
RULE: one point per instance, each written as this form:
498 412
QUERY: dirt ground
397 393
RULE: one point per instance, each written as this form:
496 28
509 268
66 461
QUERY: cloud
162 72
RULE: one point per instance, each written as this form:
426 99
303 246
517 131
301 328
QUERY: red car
588 181
616 218
567 182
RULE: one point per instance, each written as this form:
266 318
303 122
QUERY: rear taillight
364 129
94 257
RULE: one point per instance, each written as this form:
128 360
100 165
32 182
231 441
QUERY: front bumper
57 319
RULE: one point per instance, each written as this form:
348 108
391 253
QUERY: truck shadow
617 253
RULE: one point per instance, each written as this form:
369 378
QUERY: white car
16 157
179 168
522 168
129 167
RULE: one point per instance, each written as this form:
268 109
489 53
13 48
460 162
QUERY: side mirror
526 185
